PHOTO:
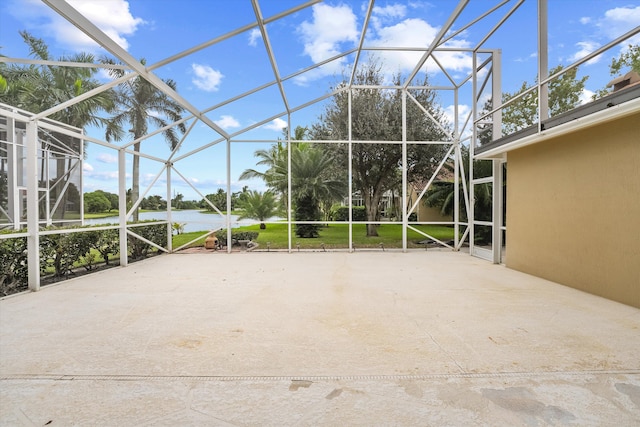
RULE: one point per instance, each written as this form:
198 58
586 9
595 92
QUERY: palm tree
276 161
38 88
258 206
312 184
275 176
441 193
139 105
177 201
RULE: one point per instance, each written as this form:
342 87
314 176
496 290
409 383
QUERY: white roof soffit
609 114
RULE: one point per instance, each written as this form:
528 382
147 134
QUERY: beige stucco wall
427 213
573 210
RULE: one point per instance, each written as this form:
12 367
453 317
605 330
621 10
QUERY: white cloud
276 125
87 167
113 17
323 37
105 176
254 35
463 112
414 32
618 21
106 158
227 122
585 96
586 47
391 10
585 20
206 78
330 27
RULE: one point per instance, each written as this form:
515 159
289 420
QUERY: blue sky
158 29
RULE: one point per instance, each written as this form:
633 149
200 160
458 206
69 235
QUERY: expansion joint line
313 378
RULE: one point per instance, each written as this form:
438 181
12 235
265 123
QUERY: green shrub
341 213
14 273
107 243
156 233
235 236
62 251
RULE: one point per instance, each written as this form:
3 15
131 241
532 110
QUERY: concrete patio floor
368 338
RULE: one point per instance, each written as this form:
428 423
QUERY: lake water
194 220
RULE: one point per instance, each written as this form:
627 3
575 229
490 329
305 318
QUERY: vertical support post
472 146
229 242
498 178
169 221
81 160
405 214
496 240
457 157
496 93
46 155
350 172
12 175
289 186
122 207
543 63
33 214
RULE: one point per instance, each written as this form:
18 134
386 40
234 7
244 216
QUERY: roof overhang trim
614 112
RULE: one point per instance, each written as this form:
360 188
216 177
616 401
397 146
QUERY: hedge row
235 236
62 253
341 213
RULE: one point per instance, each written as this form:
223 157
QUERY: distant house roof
630 79
446 174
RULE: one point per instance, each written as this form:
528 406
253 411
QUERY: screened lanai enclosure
447 104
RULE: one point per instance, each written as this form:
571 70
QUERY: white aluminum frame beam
33 216
436 41
90 29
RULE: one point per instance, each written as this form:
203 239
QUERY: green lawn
335 236
100 214
114 212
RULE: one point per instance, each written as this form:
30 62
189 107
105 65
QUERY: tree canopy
376 115
564 95
38 88
139 105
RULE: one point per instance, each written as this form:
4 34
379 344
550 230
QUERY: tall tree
564 95
630 58
177 201
139 105
275 159
37 88
441 194
219 200
275 175
311 184
377 116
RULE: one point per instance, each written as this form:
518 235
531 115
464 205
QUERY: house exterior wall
426 213
429 214
573 210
